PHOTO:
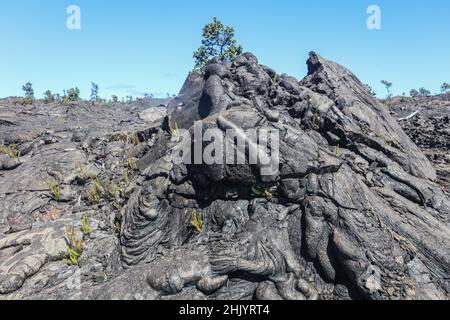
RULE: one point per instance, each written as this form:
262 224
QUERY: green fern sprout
98 186
97 192
197 220
174 131
81 172
135 140
10 151
262 193
94 196
54 188
131 164
74 247
122 189
126 177
112 190
85 227
338 150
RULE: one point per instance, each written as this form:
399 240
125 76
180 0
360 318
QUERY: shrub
445 87
114 98
49 97
73 94
218 41
29 93
424 92
414 93
94 93
388 86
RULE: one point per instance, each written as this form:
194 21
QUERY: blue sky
136 46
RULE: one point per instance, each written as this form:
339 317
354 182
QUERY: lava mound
352 211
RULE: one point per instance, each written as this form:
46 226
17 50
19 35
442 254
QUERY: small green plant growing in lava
174 131
135 140
112 191
338 150
10 151
97 192
259 192
74 247
85 227
132 164
122 189
54 187
126 177
197 220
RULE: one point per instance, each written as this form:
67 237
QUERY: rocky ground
427 122
356 210
64 150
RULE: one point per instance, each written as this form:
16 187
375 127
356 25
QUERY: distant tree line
414 93
73 95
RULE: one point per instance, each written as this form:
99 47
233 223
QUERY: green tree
414 93
49 97
388 86
114 98
445 87
424 92
73 94
94 93
29 92
218 41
